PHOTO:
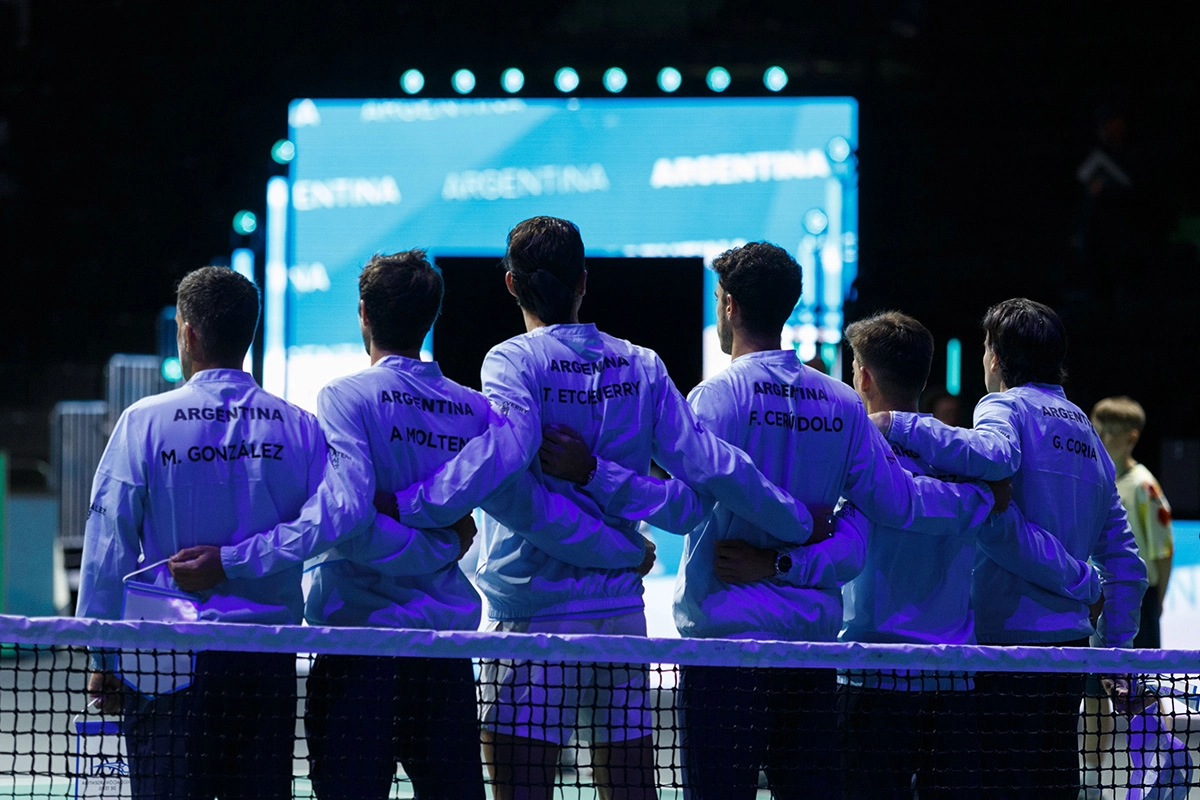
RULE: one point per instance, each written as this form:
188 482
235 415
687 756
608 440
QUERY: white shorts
549 701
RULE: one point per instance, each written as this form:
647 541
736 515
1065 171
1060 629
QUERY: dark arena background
131 133
973 152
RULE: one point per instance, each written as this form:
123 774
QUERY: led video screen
642 177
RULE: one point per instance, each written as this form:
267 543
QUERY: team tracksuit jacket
620 398
1064 483
210 463
387 426
916 587
810 434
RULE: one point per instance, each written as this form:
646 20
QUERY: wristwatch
783 563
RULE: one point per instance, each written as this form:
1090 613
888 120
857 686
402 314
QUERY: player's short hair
1121 412
765 281
402 297
896 348
1029 340
545 258
222 307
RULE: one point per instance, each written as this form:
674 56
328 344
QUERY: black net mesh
503 715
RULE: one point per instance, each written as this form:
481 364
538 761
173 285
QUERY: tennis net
299 711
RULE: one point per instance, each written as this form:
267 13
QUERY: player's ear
364 320
865 379
732 309
508 281
190 338
581 284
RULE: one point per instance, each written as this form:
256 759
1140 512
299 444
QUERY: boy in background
1120 421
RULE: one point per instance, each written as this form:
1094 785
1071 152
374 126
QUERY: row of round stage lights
566 80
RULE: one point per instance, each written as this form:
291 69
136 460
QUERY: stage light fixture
171 369
512 80
669 79
283 151
954 367
775 78
718 79
463 81
838 149
815 221
615 79
412 81
566 80
245 223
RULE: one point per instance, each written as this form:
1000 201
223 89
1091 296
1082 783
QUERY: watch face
784 564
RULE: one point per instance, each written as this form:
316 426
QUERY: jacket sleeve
1122 573
496 471
112 534
670 505
835 561
398 550
559 527
342 506
1034 555
893 497
990 451
486 466
692 453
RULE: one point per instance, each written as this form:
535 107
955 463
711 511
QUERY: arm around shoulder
989 451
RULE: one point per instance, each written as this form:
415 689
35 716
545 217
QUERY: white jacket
1064 483
537 562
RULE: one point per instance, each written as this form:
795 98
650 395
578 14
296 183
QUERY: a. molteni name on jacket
426 438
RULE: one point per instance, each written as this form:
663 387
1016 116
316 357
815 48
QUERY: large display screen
640 176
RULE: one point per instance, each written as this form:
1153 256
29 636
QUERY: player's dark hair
897 349
545 258
402 297
222 307
1029 340
765 281
1122 412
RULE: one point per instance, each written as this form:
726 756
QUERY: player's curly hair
765 281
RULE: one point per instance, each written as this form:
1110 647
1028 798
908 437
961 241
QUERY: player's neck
533 321
746 343
378 353
1126 464
879 402
201 366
